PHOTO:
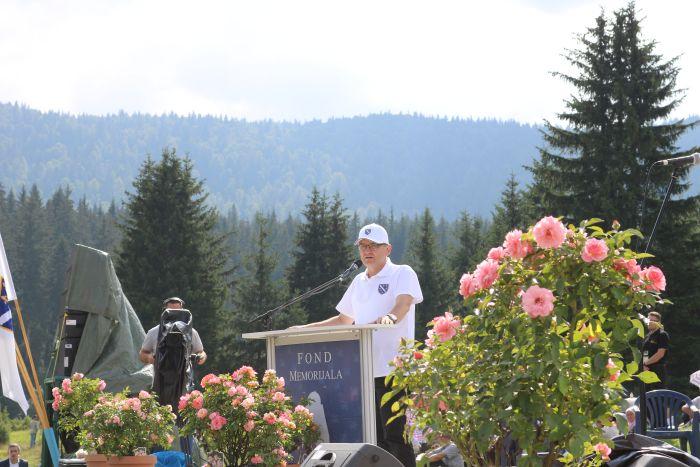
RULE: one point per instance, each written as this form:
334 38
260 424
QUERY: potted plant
119 426
249 422
537 356
71 400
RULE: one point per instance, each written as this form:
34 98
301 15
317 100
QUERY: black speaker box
350 455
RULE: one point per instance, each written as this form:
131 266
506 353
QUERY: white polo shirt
370 298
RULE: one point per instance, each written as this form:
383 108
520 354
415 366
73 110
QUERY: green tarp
112 337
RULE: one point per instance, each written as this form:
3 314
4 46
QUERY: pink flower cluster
537 301
515 246
483 277
549 232
217 421
594 250
445 327
603 450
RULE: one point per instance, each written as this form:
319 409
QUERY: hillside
404 162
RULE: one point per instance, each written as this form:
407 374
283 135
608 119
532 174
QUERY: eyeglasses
370 246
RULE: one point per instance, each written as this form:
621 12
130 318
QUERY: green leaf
648 377
639 326
632 368
563 383
621 422
389 395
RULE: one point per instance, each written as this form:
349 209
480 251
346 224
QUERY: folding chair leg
684 444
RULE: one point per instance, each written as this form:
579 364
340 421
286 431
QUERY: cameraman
148 349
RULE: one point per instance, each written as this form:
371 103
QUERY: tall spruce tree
425 258
471 246
510 213
169 246
322 251
618 125
257 292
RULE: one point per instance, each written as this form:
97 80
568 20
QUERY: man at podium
385 293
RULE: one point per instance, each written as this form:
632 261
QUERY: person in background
13 459
33 430
655 350
447 455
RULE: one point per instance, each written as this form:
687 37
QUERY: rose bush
73 398
248 421
117 424
538 355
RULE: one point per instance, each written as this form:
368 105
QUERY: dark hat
174 299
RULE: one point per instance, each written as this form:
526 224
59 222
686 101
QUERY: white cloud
312 59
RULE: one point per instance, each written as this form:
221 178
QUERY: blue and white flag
11 382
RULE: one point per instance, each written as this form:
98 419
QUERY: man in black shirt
655 350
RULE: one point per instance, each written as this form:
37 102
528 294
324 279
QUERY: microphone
355 264
693 159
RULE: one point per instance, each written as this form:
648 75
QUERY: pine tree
27 258
471 245
596 166
169 246
510 213
321 253
425 259
257 292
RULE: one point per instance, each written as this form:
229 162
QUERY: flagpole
40 409
49 436
29 349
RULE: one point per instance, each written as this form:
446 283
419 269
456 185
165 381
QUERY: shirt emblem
383 288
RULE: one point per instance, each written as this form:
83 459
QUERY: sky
306 59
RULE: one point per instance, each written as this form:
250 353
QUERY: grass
21 437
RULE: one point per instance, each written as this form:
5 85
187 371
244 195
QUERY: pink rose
116 420
182 404
538 301
202 413
430 339
144 395
549 232
66 386
101 385
486 273
54 404
497 254
77 376
398 363
604 451
442 406
256 459
278 397
56 392
249 425
248 402
301 409
594 250
445 327
210 379
241 391
270 418
198 402
514 245
280 383
655 278
468 285
217 423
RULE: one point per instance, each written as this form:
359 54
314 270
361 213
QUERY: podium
332 366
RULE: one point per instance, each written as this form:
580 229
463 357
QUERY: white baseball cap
373 232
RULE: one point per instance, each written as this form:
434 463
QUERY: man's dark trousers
390 438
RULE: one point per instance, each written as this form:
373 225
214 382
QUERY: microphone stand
269 314
642 386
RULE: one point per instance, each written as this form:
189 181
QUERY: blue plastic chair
664 414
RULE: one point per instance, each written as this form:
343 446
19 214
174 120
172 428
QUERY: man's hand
201 357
